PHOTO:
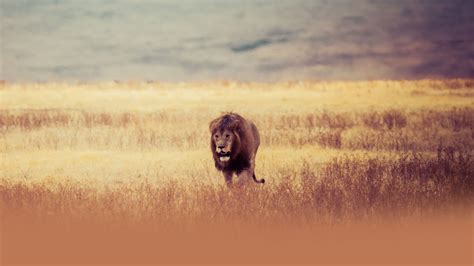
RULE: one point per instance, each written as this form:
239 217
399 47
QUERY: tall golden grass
331 148
332 152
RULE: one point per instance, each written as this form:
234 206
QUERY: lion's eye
216 136
227 135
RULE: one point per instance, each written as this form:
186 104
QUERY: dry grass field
129 154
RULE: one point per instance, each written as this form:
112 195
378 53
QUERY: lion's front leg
228 178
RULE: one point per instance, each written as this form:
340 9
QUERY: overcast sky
43 40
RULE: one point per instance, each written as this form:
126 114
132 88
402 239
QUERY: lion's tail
261 181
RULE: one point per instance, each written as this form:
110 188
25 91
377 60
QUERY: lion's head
225 139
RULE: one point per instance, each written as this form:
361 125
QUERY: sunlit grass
330 151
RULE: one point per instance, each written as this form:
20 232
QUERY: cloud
282 40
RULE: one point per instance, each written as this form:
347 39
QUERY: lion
234 145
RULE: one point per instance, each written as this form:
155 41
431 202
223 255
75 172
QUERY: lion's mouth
224 156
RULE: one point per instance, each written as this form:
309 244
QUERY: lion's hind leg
252 167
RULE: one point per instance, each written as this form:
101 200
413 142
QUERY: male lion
234 145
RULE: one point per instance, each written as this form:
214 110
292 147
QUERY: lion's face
223 140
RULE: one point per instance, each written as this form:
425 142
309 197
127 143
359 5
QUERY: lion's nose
221 146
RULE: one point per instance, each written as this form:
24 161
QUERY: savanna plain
134 158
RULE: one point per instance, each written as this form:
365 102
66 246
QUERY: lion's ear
213 125
237 126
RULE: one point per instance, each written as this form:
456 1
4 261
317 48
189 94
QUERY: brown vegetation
332 153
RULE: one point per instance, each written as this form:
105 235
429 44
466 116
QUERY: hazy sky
267 40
